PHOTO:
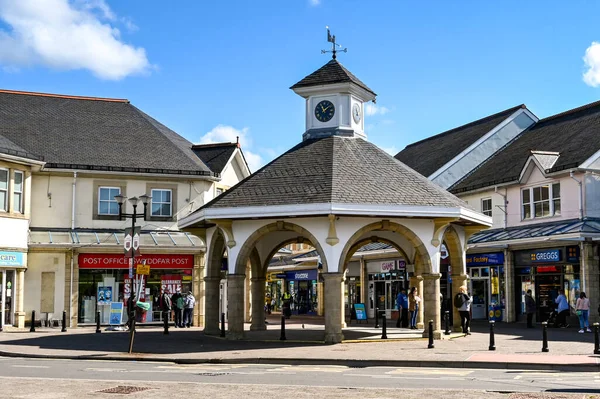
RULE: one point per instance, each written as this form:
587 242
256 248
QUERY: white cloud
373 109
390 150
592 61
224 134
68 35
314 2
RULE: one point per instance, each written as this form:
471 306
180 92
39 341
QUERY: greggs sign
118 261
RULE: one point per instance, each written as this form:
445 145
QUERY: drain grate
123 390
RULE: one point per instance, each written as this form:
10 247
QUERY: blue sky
213 70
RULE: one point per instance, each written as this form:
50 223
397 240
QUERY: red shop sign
118 261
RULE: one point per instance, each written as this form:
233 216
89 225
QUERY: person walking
462 301
582 308
563 310
188 311
530 308
402 305
165 304
178 305
413 307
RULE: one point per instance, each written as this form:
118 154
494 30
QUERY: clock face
324 111
356 113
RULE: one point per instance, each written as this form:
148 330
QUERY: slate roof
331 73
10 148
428 155
335 170
215 156
546 229
94 134
574 134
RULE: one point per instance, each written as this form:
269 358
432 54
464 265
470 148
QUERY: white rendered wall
44 262
592 195
13 233
475 201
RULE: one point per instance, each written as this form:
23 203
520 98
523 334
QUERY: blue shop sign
11 258
545 256
494 258
301 275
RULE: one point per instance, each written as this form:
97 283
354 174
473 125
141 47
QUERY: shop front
105 279
486 285
302 285
386 279
10 263
545 272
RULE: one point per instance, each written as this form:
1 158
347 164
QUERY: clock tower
335 101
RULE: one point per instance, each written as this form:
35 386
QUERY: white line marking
29 367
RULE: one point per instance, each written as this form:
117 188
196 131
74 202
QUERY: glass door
479 292
7 297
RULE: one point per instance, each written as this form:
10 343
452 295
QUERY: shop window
107 205
540 201
161 203
18 192
3 190
486 206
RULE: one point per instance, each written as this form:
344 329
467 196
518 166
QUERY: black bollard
430 346
165 323
545 337
32 328
98 331
447 322
64 322
282 337
492 339
222 324
596 340
376 317
384 326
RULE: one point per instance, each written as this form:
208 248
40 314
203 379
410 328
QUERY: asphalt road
71 378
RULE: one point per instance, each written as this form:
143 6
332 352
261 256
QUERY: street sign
143 269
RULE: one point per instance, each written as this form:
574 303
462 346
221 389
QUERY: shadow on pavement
520 331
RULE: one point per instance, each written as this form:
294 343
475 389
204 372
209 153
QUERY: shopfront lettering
11 259
300 276
388 266
156 261
495 258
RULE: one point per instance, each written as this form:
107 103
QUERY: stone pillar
235 305
333 307
431 304
417 281
458 280
590 277
257 287
342 301
20 312
198 289
248 296
510 311
364 281
212 314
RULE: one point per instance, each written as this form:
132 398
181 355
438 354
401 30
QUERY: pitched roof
574 134
215 156
428 155
331 73
335 170
94 133
10 148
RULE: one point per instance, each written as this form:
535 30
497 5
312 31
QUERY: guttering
129 173
571 175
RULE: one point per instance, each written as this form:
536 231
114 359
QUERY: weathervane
334 45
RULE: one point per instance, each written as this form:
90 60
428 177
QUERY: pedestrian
165 304
188 311
402 304
530 308
462 301
563 310
413 307
582 308
178 305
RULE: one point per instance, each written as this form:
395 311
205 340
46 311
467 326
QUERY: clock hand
326 108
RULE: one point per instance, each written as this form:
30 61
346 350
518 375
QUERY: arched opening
214 287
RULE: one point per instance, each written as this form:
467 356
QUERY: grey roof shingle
331 73
104 134
335 170
428 155
575 134
10 148
215 156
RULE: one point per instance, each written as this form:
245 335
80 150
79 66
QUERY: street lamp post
133 216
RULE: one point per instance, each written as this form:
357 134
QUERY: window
161 203
18 192
107 204
3 190
486 206
541 201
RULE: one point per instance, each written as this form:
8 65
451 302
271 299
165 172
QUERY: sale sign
170 283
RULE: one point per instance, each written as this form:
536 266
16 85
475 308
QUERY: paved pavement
516 346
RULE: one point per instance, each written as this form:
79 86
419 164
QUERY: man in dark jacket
178 305
530 308
165 304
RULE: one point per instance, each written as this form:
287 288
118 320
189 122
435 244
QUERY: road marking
326 369
29 367
201 367
431 371
110 370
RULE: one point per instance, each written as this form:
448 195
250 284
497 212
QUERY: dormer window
540 201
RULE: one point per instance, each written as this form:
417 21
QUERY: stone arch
212 280
421 255
459 272
215 253
266 261
255 237
356 246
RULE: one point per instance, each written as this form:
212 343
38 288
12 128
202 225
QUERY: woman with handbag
582 309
